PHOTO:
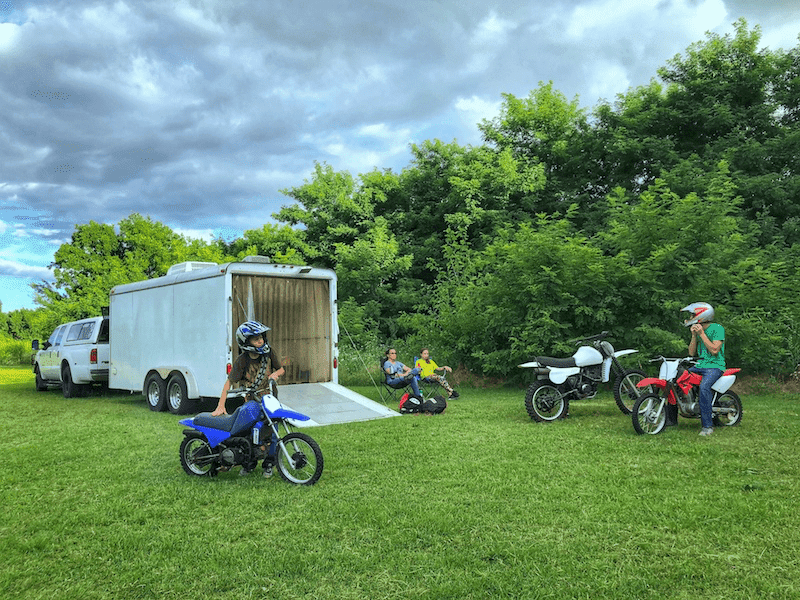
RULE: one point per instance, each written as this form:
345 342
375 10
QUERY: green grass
479 502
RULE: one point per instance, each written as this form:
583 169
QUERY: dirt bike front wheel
299 459
649 414
626 392
727 410
544 402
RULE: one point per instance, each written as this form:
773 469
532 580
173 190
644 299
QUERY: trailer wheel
177 396
155 392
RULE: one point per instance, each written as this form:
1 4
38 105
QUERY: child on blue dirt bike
255 366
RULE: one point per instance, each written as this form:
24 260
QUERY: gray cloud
197 112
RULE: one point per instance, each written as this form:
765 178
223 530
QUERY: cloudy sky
196 112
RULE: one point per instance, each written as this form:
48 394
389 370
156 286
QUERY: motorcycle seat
558 363
223 422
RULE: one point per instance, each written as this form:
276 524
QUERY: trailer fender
192 389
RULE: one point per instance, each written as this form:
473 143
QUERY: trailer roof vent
257 259
191 265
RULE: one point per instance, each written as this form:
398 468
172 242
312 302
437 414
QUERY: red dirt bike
678 387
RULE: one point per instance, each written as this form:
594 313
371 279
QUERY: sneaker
706 431
267 471
245 471
454 394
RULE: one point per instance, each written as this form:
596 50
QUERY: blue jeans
710 377
398 381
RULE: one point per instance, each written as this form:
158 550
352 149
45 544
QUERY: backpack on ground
410 404
434 405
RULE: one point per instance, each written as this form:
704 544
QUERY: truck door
49 364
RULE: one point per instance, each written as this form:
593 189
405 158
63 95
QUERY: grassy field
479 502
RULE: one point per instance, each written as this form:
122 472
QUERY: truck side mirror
35 345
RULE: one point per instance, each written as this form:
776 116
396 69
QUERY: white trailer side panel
182 326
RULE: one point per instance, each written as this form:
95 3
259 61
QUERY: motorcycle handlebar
242 392
589 338
686 359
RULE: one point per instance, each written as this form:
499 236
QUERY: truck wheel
41 384
69 388
155 392
177 396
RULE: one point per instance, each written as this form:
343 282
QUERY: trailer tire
177 395
155 392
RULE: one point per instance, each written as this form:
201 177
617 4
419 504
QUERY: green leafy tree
281 243
99 257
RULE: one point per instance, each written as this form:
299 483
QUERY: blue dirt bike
215 444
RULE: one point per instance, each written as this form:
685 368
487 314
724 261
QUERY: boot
672 415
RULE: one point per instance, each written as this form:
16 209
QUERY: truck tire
41 384
155 392
178 401
69 388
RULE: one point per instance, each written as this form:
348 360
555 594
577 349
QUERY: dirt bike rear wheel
730 410
195 456
544 402
649 414
305 466
626 392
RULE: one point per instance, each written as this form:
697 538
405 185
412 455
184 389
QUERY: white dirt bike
559 380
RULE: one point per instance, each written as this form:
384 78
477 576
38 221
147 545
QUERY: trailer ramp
329 403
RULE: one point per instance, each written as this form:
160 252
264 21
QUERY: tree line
563 222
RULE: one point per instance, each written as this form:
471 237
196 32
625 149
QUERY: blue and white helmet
249 329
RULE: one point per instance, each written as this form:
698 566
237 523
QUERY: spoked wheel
727 409
303 465
649 414
197 456
545 403
626 392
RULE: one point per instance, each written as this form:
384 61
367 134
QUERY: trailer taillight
93 356
229 368
335 363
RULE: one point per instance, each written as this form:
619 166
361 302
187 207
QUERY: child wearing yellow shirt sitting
428 372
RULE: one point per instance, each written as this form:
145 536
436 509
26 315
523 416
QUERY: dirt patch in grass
767 384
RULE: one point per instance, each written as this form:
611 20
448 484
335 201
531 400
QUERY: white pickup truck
75 356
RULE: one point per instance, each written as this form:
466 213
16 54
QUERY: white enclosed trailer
173 338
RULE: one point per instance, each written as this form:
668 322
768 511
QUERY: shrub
14 352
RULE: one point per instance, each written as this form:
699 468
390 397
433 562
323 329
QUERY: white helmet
701 312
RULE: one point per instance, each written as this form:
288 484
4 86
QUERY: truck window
74 332
102 337
60 334
86 331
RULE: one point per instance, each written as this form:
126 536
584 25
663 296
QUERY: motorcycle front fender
559 376
619 353
654 381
